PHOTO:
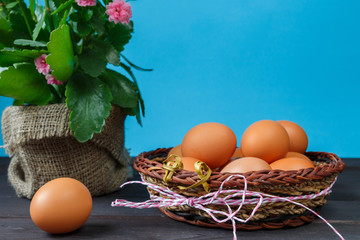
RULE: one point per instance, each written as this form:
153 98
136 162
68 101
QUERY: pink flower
44 69
41 65
51 80
84 3
119 11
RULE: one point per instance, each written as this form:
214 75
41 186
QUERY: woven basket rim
329 165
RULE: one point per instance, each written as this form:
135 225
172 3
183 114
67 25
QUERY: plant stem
47 5
25 18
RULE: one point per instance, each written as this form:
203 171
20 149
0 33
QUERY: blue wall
237 62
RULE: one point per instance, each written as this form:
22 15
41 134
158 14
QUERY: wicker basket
275 182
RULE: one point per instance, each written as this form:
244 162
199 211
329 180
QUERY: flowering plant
60 53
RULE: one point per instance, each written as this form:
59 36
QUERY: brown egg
238 153
291 164
176 150
245 164
189 163
297 136
61 206
265 139
212 143
297 155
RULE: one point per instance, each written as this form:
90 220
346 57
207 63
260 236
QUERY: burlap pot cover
42 147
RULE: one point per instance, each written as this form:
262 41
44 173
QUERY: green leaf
4 24
18 102
38 26
64 18
3 12
138 114
98 25
120 35
128 70
124 91
78 46
32 8
88 13
89 100
48 18
5 35
93 60
39 12
75 16
11 5
61 57
63 6
135 66
112 55
31 43
82 28
24 83
55 4
18 25
25 13
134 112
9 56
58 93
54 19
140 108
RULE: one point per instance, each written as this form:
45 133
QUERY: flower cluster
85 3
73 47
44 68
119 11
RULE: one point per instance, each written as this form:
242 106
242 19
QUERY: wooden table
106 222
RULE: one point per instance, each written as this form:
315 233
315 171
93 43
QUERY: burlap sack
42 147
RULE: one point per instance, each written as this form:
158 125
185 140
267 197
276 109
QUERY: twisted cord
168 198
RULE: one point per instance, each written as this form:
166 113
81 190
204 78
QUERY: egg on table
61 206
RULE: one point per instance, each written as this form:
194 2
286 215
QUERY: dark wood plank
160 227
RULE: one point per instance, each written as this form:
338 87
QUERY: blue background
240 61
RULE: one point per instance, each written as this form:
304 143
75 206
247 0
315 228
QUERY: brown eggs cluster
265 145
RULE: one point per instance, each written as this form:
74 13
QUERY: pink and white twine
172 199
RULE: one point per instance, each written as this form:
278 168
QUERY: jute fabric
42 147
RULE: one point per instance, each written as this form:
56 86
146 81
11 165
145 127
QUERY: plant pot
42 147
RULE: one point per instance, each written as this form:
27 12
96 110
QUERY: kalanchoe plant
60 53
